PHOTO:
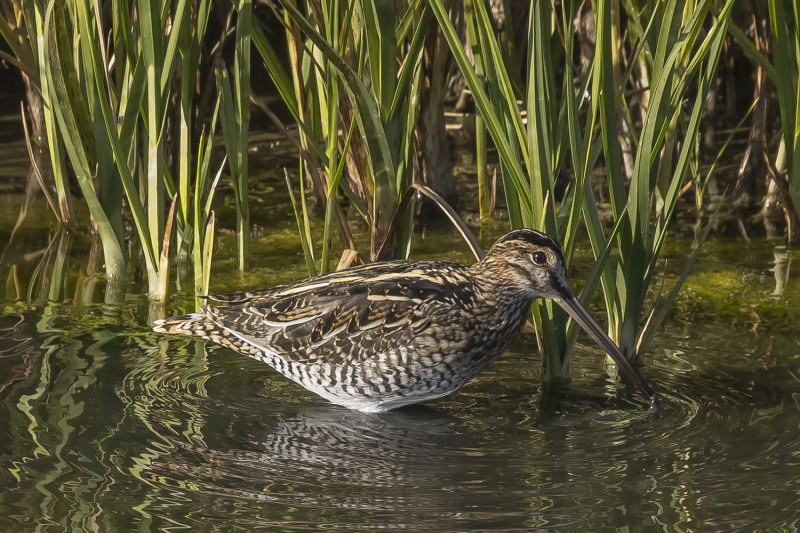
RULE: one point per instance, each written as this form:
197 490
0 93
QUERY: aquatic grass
14 31
48 279
190 47
785 26
684 63
302 93
69 113
107 80
54 274
532 153
701 179
458 223
39 178
331 205
481 148
303 227
17 28
235 116
204 219
355 69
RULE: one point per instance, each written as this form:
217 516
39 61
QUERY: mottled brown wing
344 317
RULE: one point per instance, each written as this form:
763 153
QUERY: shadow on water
112 427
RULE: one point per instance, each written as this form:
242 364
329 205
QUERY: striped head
532 262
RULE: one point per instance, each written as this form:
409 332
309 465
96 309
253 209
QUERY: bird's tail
200 325
193 325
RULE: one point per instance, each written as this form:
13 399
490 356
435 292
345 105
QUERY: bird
384 335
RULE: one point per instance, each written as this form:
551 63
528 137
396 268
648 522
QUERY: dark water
109 427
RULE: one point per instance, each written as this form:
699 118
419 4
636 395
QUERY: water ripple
112 426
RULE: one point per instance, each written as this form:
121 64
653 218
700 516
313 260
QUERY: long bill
571 305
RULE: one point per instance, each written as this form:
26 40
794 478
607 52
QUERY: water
111 427
116 428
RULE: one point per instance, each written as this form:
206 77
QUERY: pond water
110 427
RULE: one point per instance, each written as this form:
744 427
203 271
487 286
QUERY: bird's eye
540 258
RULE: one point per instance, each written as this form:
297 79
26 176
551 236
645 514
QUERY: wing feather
348 316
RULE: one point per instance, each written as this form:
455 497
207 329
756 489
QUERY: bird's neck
496 280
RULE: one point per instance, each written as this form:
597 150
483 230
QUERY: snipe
385 335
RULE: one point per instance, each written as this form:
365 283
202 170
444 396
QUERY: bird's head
532 263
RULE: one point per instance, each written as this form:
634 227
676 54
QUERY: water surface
114 427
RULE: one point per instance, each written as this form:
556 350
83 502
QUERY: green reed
107 73
352 88
70 124
235 115
534 153
784 20
481 148
684 42
204 219
17 25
